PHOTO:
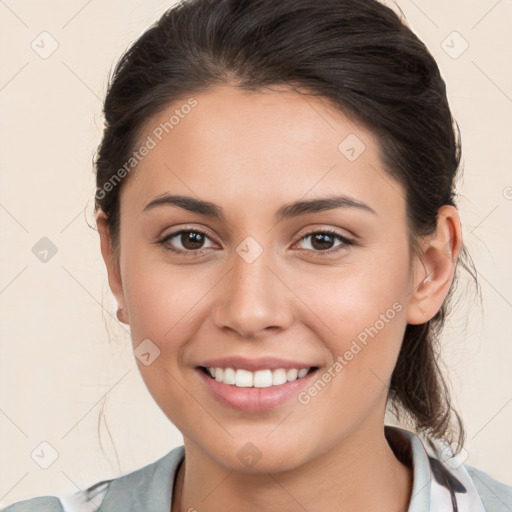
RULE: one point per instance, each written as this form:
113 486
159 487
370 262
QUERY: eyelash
163 242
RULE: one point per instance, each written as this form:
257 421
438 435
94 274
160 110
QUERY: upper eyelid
186 229
345 239
333 231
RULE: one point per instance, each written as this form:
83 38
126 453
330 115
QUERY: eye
322 241
188 242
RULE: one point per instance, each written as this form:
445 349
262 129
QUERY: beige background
63 355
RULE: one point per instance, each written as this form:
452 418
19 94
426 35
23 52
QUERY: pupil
192 240
323 239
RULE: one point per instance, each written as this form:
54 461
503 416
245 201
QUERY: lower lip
255 399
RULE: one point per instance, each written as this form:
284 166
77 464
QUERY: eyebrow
285 212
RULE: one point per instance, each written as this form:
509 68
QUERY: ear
111 262
434 270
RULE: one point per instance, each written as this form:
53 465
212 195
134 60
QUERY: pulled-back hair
361 57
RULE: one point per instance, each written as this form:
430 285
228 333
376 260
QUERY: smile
259 379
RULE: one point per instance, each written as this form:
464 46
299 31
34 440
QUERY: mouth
255 391
264 378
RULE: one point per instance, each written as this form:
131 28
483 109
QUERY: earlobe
434 271
111 263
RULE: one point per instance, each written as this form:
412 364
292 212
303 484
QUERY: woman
275 204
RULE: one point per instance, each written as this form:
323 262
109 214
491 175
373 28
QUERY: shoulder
41 504
496 495
146 488
133 491
162 468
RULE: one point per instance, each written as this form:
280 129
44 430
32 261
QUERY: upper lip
261 363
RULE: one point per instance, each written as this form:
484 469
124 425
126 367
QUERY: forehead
272 145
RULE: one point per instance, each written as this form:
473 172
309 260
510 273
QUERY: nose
253 299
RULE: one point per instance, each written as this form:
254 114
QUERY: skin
251 153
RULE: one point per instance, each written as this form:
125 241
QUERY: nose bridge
251 275
253 297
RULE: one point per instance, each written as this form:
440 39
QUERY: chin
259 456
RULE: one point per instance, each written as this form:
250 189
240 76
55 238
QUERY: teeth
292 374
262 379
243 378
278 377
259 379
229 376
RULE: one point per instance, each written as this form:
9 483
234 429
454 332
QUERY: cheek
360 301
360 315
155 292
164 301
164 306
351 300
354 310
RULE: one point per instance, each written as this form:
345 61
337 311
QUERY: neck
357 475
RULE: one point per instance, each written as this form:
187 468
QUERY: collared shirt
441 483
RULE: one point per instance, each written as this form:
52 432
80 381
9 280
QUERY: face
233 277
